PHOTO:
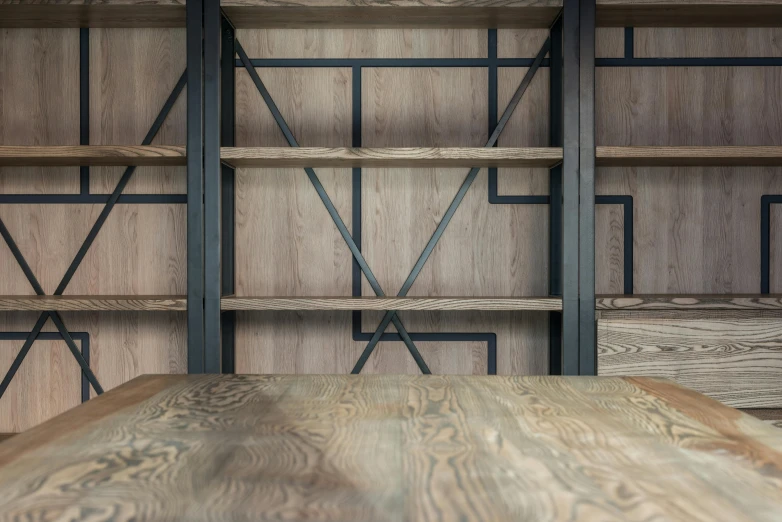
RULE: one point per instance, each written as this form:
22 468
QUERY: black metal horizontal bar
72 199
390 62
450 337
688 62
510 62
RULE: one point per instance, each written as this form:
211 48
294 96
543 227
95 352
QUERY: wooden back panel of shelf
696 229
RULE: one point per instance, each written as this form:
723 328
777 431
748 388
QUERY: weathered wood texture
689 13
91 155
389 303
688 156
95 303
141 248
736 361
689 302
91 13
444 157
394 13
452 448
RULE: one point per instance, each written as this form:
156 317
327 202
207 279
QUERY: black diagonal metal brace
66 279
457 200
343 230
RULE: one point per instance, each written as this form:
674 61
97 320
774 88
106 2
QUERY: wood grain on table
388 447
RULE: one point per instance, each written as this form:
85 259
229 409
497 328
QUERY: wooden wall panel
697 230
525 43
736 361
364 43
321 342
47 383
484 252
708 42
140 250
39 104
132 72
286 242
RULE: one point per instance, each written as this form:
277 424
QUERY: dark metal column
555 197
212 174
227 139
195 189
570 188
586 220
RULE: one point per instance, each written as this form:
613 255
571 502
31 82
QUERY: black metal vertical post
212 174
84 104
227 139
570 187
555 197
195 188
586 221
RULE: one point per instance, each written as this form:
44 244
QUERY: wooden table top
376 448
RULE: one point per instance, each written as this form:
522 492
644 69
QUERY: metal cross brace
282 124
66 279
457 200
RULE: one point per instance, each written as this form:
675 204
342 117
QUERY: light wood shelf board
394 13
689 302
449 157
93 303
92 155
391 303
688 156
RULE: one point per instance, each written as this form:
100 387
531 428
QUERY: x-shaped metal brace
88 241
391 315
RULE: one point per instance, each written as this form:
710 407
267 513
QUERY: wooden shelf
688 156
264 157
92 303
391 303
103 155
688 13
689 302
385 13
92 13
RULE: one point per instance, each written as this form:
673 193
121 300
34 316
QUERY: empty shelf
91 13
382 13
688 156
92 303
103 155
689 302
263 157
391 303
688 13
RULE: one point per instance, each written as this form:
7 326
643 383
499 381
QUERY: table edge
75 421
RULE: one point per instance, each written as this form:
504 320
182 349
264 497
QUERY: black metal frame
558 231
765 240
210 75
110 201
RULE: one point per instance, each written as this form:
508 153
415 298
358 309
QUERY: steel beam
212 186
227 188
586 219
555 196
570 187
195 188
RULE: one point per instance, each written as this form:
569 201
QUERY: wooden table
375 448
